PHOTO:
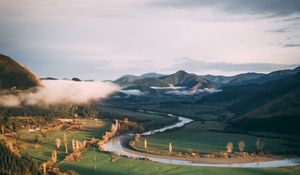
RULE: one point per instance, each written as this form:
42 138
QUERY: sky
101 40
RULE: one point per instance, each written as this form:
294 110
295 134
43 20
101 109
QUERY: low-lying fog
53 92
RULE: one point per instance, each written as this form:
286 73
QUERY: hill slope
276 75
265 107
239 79
13 74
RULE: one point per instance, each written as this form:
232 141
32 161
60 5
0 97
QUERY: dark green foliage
264 107
129 126
39 116
279 124
87 110
11 164
258 95
84 110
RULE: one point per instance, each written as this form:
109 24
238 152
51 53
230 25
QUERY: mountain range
259 101
127 79
192 81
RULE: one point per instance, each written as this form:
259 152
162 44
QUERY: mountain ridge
13 75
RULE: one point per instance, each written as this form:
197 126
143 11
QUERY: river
115 145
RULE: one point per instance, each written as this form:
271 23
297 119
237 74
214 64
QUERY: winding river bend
115 145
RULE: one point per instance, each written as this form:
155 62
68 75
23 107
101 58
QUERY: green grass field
197 138
93 129
121 165
150 121
195 111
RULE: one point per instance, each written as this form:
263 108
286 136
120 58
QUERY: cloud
197 66
168 87
134 92
186 92
281 30
291 45
56 92
180 93
290 19
210 90
83 39
253 7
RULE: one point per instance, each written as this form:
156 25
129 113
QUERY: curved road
114 145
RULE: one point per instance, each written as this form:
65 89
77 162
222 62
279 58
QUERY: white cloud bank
60 92
134 92
186 92
171 86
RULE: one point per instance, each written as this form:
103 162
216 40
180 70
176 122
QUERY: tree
66 142
2 129
242 145
73 145
126 121
44 167
229 147
77 145
65 138
137 137
170 148
37 146
57 142
145 144
84 144
66 147
260 145
54 156
12 164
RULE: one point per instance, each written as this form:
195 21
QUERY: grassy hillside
11 164
14 75
273 105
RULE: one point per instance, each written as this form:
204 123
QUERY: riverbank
116 145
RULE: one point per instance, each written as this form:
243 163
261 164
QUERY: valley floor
200 141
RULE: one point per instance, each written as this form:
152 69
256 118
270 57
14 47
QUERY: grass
150 121
196 137
191 110
195 111
121 166
93 129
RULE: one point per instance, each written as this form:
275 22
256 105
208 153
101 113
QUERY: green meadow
122 166
197 137
93 161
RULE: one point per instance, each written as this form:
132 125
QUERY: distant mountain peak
151 75
181 72
76 79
